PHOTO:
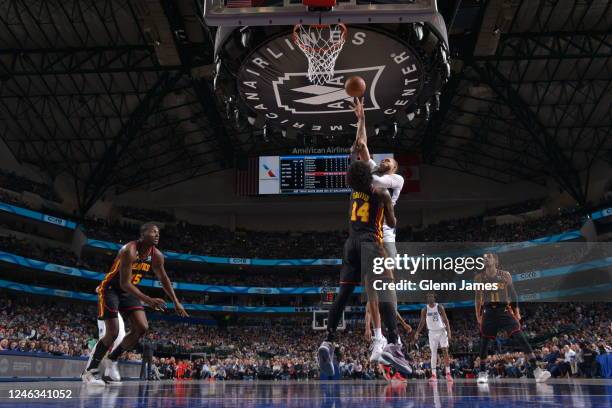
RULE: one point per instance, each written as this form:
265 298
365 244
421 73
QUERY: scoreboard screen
306 174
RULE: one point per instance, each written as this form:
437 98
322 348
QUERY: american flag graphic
247 180
409 168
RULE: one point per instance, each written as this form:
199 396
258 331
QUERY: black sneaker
326 358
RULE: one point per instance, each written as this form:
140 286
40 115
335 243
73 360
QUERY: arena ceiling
118 93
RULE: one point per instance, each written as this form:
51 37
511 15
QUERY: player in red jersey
118 294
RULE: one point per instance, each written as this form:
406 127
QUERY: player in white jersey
439 334
383 176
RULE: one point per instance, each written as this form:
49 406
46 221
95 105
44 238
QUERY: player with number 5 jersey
118 294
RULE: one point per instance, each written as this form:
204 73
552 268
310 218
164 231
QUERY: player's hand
357 106
368 335
517 315
180 310
157 304
479 319
408 328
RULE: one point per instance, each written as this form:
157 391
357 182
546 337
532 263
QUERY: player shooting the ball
383 176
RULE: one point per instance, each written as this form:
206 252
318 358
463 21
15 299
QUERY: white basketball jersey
434 320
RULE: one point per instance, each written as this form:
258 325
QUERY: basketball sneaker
541 375
326 358
483 378
377 347
433 378
91 377
392 355
111 372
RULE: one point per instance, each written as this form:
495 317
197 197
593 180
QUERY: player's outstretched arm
162 276
361 135
514 299
368 322
392 181
442 312
405 325
478 301
127 255
421 325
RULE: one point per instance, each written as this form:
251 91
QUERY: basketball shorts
438 339
352 269
498 318
112 301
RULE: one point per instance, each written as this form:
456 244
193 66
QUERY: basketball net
321 44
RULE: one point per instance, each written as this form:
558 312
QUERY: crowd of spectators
518 208
29 249
19 184
566 342
146 214
8 198
217 241
474 229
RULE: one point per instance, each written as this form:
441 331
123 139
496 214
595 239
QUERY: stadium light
418 31
265 133
245 37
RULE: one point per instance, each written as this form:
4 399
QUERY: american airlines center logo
273 81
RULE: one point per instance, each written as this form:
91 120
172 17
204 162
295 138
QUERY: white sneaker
90 377
377 346
483 378
541 375
112 370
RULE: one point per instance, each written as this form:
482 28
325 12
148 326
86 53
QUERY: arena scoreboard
305 174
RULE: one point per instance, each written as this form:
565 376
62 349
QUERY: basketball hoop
321 44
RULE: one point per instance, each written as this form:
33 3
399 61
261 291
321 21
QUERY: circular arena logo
273 82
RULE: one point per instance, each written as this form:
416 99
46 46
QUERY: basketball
355 86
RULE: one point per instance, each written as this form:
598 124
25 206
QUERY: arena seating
246 351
